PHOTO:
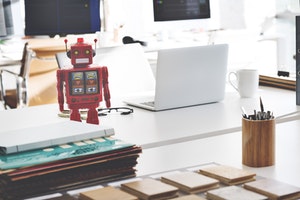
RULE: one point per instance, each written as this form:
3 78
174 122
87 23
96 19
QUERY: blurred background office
261 34
270 21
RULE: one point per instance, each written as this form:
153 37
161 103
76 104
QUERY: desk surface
153 129
227 149
191 136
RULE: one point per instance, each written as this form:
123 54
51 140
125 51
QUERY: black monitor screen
61 17
167 10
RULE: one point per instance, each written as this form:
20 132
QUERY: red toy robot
83 83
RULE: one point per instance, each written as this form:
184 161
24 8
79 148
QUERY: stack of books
66 166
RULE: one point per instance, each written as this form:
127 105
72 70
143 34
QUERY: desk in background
46 48
43 66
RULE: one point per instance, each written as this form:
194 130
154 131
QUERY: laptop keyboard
149 103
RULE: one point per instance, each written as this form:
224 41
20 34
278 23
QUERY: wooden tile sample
189 197
228 175
107 193
234 192
150 189
274 189
191 182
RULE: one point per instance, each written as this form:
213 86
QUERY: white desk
191 136
153 129
227 149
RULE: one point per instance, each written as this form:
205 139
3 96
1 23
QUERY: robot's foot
75 115
92 117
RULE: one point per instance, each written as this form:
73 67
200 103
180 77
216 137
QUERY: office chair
18 97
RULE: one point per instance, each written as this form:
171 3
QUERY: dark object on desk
298 60
121 110
129 40
18 97
283 73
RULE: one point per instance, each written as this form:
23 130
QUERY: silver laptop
187 76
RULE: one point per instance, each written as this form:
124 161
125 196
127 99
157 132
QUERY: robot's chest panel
84 82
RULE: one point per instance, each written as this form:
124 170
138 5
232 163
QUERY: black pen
261 105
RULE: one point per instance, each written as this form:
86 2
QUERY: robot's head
81 53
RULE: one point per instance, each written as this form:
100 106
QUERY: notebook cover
107 193
49 135
228 175
274 189
60 152
234 192
150 189
190 182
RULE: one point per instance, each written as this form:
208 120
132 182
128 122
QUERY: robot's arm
60 87
105 86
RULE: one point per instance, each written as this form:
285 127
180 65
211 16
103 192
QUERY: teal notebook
60 152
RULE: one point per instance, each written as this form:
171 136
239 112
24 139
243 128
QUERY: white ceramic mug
245 81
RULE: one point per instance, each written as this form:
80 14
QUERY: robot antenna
66 41
95 40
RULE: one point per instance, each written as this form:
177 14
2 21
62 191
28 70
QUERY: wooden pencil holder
258 142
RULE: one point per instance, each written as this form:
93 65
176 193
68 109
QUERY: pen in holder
258 139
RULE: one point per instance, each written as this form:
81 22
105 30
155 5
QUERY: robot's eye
87 51
76 52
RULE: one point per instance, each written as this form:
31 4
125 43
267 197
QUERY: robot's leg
75 115
92 116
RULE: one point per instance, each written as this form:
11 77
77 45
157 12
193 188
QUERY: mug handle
230 76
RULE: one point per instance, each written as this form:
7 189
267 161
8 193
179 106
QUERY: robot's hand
107 103
105 86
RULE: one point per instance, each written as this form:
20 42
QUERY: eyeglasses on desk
121 110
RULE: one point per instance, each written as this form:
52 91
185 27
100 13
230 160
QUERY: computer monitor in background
167 10
61 17
174 17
